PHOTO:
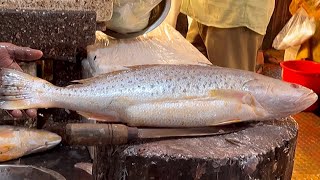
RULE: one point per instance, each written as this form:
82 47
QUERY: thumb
6 61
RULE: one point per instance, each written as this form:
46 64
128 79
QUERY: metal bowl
25 172
158 15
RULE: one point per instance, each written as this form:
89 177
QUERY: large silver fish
162 95
16 142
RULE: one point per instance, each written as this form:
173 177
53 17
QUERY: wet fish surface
16 142
162 95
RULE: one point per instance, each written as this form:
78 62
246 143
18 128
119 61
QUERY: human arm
9 54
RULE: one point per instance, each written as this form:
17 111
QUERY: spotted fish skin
162 95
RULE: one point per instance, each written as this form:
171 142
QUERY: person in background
231 31
311 48
9 53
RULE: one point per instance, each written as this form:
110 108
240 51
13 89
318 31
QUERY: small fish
87 167
16 142
162 95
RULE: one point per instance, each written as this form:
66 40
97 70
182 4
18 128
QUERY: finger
22 53
25 53
15 113
32 113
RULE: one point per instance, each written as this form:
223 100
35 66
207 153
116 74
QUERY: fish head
39 140
19 141
279 98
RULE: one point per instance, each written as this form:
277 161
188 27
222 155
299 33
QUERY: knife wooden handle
99 134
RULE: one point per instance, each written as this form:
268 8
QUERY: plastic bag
131 15
163 45
298 29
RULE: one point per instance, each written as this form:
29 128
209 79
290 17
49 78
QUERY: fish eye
295 86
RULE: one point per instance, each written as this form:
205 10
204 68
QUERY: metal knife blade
150 133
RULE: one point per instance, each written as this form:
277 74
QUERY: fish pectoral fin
226 122
6 157
206 64
87 80
82 81
99 117
87 167
6 148
10 155
241 98
233 95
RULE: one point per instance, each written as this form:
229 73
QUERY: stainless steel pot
158 15
26 172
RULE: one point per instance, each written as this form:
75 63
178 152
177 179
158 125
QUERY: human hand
9 53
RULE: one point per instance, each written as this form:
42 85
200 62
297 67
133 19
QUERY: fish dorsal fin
206 64
98 117
103 75
128 69
86 80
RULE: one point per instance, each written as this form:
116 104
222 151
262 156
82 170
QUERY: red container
305 73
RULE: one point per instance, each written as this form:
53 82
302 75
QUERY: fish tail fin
19 90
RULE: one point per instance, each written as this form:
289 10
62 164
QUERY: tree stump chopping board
264 150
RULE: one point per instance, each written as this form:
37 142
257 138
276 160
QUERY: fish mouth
298 105
309 99
51 143
303 102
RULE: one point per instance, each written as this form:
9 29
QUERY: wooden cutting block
262 151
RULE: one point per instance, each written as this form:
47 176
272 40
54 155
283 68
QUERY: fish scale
165 96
